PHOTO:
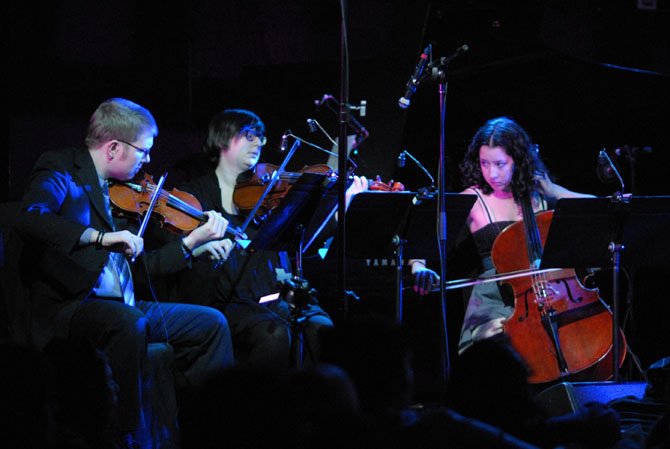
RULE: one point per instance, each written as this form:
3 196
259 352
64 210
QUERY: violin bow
268 188
152 204
461 283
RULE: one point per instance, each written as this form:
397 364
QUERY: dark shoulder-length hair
506 133
224 126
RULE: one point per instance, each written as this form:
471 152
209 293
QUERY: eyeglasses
145 152
251 134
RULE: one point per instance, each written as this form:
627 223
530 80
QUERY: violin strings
190 210
177 203
289 176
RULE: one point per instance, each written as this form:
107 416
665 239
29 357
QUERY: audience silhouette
83 395
489 382
376 353
315 407
359 395
24 406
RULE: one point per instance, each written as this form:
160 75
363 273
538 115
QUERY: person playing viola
501 166
80 287
245 288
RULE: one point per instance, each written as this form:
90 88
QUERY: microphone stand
343 151
439 73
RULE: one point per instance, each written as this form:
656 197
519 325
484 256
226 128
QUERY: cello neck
533 239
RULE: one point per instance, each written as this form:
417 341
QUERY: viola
251 186
560 328
179 212
380 186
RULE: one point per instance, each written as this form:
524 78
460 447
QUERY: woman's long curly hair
504 132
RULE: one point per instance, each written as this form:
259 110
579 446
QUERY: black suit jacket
64 198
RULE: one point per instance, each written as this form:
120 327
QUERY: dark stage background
580 76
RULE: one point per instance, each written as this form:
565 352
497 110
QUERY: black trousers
263 334
199 335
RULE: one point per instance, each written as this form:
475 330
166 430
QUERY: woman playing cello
501 166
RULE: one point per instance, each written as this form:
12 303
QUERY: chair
159 403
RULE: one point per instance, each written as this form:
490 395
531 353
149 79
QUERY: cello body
560 328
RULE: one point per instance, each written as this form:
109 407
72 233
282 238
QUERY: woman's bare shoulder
472 190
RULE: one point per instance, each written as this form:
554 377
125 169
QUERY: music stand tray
581 231
423 220
373 220
278 232
646 238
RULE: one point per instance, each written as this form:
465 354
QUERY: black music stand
374 229
322 224
588 233
423 243
284 230
280 231
646 234
381 224
423 223
398 225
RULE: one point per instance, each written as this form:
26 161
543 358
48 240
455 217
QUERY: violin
380 186
251 186
179 212
560 328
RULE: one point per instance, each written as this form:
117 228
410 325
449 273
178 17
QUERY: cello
560 328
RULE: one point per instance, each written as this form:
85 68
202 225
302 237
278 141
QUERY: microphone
402 159
607 171
284 140
401 163
604 169
459 51
313 125
324 99
632 152
413 82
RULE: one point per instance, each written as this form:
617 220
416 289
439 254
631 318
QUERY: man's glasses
145 152
251 134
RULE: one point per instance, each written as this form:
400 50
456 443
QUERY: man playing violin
500 166
79 285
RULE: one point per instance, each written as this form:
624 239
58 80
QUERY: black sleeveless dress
486 303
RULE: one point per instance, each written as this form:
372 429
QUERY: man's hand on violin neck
213 229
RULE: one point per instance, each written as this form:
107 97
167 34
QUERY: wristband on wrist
187 251
98 240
